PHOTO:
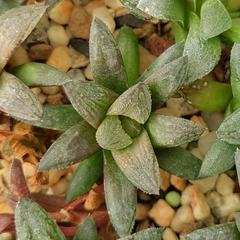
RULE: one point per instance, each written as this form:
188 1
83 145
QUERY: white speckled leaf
229 130
17 99
87 230
139 164
15 25
219 158
105 58
168 131
90 100
121 196
73 146
215 19
206 53
33 222
164 9
110 134
134 103
146 234
237 164
225 231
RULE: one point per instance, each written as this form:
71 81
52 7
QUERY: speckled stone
80 22
78 60
40 52
38 36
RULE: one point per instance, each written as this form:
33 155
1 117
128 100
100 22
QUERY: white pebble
114 4
36 90
105 16
57 36
224 184
52 90
214 199
42 98
88 72
169 234
142 211
205 142
197 153
76 74
205 184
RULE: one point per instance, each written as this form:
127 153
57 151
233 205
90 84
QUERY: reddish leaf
6 222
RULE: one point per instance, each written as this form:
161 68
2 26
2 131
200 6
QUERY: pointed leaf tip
134 103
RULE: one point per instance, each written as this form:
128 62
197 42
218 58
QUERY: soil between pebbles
61 40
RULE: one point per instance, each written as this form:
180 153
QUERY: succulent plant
111 126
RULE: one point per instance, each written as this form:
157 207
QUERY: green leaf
6 5
134 103
232 5
180 33
128 45
208 95
39 74
73 146
219 158
233 33
235 72
223 231
146 234
172 53
110 134
120 195
90 100
86 174
57 117
105 58
215 19
164 9
168 131
24 19
237 164
179 162
131 6
206 53
167 81
87 230
33 222
139 164
17 99
130 126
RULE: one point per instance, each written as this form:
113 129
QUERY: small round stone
173 198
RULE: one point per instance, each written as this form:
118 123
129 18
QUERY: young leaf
146 234
16 95
105 58
90 100
39 74
223 231
133 9
121 196
24 19
33 222
87 230
134 103
164 9
215 19
73 146
57 117
167 80
172 53
139 164
233 33
6 5
206 53
168 131
180 33
86 174
208 95
229 130
235 72
179 162
6 222
110 134
128 45
219 158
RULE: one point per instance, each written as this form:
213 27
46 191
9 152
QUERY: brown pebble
80 22
40 52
